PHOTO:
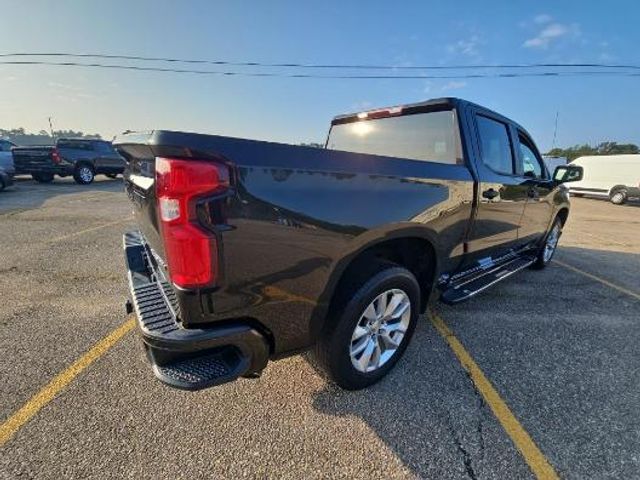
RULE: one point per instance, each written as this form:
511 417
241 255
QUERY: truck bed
32 159
295 215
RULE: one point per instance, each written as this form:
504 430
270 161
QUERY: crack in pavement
466 456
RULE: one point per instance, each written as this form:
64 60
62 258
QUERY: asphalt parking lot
559 346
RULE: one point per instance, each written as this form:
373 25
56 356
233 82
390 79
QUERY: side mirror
568 173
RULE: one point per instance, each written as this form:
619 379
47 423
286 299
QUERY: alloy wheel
380 330
551 243
85 174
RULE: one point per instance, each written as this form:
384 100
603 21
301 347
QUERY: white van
616 177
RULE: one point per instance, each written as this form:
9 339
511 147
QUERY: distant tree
613 148
20 137
74 134
603 148
313 144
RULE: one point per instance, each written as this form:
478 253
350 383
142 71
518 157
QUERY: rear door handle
490 194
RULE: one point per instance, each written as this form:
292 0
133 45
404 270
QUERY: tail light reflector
55 156
191 251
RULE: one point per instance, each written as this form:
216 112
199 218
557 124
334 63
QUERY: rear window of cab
427 136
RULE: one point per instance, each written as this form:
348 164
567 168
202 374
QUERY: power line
326 66
344 77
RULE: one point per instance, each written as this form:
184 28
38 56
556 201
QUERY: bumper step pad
200 372
186 358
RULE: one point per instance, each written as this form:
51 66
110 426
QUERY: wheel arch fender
617 188
85 162
363 248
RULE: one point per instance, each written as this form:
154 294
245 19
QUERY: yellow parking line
87 230
598 279
536 460
10 426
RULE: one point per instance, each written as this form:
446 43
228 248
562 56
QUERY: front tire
549 247
84 174
370 330
42 177
618 197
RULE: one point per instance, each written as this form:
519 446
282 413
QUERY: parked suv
82 158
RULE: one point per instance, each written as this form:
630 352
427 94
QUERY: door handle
490 194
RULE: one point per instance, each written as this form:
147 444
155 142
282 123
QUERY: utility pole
555 132
51 127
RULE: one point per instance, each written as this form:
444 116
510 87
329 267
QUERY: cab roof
443 103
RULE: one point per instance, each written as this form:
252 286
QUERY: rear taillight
55 156
191 251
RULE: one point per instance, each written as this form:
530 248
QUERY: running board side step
464 289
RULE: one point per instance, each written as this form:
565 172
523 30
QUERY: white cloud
550 34
453 85
542 18
606 57
360 106
64 86
468 47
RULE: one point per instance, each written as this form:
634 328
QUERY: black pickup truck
83 158
249 251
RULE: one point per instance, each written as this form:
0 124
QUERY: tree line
20 137
604 148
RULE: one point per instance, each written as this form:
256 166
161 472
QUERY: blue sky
591 109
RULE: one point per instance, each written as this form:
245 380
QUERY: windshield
431 136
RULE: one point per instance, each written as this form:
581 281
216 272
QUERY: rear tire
369 330
42 177
84 174
618 197
549 246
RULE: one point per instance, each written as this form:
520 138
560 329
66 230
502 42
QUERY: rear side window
531 164
495 145
430 136
78 145
106 148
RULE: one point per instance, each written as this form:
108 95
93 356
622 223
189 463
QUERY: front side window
429 136
531 165
495 145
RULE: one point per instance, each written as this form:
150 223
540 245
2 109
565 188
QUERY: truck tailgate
28 158
139 181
